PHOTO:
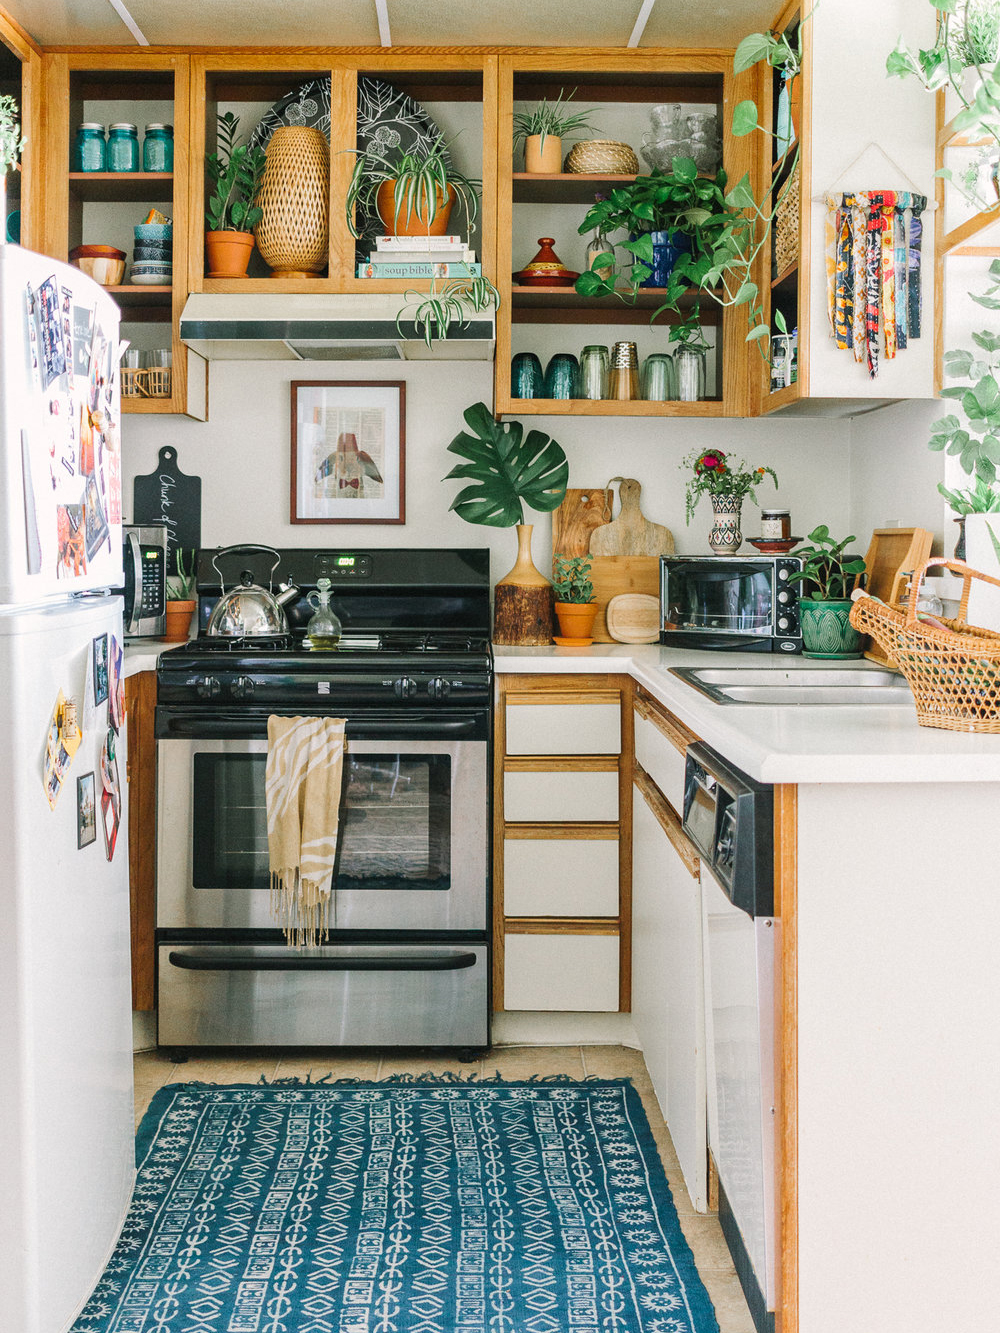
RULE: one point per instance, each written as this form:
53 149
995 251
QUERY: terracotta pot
410 222
227 253
179 615
543 159
576 621
522 600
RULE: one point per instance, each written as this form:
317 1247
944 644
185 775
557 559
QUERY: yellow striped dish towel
305 764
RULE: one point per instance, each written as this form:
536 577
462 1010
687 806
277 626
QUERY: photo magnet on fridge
50 329
109 818
86 810
100 655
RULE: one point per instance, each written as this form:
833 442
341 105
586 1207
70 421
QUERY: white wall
242 456
894 476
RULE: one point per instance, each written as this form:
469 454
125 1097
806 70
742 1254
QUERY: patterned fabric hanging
873 243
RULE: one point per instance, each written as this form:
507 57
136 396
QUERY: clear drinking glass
658 382
690 364
594 366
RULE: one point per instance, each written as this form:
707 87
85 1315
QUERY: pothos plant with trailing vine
730 227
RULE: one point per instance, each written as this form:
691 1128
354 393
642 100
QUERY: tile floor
153 1071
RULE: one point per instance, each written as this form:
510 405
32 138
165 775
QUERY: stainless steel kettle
248 610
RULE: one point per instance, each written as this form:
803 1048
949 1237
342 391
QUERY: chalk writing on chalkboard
169 497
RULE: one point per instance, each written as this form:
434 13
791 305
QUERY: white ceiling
684 23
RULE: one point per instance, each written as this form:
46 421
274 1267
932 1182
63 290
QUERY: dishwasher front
729 817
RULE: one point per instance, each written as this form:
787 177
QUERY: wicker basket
293 234
135 383
786 225
954 672
158 381
599 157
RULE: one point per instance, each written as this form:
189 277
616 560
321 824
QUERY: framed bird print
348 451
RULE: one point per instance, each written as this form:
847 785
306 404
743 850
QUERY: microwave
741 603
145 590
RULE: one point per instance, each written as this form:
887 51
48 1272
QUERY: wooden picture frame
348 451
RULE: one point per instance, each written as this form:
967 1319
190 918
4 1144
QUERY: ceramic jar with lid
123 148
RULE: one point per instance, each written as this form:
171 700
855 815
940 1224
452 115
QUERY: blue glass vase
667 250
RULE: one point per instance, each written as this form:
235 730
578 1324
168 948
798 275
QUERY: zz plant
235 172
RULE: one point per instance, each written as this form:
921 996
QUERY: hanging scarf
883 203
858 205
918 202
900 269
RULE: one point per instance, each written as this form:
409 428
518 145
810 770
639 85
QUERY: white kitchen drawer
661 759
560 797
564 972
564 728
560 877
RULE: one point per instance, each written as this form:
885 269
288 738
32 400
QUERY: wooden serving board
576 518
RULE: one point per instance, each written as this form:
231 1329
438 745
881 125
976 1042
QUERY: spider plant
434 311
423 175
550 118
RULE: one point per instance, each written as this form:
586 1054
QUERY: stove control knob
439 688
404 687
208 687
243 687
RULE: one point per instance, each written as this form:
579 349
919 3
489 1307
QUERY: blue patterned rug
422 1206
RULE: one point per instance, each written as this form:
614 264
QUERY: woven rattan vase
293 236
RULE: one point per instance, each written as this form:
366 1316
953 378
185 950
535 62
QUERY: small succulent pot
826 629
543 159
576 623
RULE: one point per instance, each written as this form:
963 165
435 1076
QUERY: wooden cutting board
580 513
633 617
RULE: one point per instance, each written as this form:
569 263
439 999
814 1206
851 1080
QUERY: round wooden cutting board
634 617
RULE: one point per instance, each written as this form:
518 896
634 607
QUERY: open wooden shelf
564 188
111 187
610 407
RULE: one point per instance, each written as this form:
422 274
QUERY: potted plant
11 147
574 603
827 577
727 482
231 211
180 600
508 470
541 130
412 192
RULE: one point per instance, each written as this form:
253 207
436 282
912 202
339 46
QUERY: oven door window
395 822
737 599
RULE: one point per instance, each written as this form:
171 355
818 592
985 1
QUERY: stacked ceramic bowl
153 254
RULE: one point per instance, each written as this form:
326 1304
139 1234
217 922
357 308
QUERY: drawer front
561 972
564 728
662 761
560 797
560 877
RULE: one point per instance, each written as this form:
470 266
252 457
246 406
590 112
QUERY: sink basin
807 685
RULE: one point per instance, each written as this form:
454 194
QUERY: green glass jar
123 148
158 148
89 148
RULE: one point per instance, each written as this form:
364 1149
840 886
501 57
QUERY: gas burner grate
257 643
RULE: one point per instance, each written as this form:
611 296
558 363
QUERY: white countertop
143 655
784 743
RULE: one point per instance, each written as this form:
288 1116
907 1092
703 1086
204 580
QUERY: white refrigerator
66 1149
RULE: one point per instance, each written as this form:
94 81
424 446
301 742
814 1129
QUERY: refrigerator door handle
214 960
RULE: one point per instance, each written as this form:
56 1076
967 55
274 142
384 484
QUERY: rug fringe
447 1076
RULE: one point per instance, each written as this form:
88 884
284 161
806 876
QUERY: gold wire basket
601 157
786 224
953 668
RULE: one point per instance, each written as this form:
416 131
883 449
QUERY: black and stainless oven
747 603
407 962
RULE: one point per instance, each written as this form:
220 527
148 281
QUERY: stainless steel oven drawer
336 995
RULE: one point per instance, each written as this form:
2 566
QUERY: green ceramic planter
826 631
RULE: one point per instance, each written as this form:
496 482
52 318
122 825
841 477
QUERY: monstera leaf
508 468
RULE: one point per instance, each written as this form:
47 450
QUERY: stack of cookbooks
420 257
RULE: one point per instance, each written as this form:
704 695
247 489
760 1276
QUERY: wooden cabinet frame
13 36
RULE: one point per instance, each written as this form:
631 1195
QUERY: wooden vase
522 600
410 221
293 236
543 159
227 253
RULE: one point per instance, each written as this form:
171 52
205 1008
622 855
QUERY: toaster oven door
727 596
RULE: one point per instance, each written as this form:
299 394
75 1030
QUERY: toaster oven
741 603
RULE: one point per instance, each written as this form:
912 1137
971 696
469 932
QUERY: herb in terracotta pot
231 211
573 594
180 597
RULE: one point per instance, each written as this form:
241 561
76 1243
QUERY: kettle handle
232 550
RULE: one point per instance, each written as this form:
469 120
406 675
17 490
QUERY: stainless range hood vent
323 327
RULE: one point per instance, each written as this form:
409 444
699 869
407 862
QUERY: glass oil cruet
324 628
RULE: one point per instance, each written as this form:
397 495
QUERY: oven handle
210 961
216 726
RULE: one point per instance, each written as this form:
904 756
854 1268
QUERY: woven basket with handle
953 668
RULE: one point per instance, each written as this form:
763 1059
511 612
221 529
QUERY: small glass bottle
600 245
123 148
324 628
90 151
158 148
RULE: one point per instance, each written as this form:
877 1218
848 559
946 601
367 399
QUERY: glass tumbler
525 376
594 365
690 374
562 377
657 382
624 381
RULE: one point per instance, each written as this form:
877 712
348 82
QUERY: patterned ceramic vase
726 537
826 630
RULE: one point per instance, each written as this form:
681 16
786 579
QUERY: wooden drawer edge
561 925
520 699
598 832
679 736
575 763
668 820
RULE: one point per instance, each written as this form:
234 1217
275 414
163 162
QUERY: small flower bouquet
717 473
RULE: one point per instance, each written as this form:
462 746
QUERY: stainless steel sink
807 685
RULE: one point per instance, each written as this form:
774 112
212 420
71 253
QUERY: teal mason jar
89 148
158 148
123 148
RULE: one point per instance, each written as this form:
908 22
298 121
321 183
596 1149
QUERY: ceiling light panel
239 23
708 23
511 23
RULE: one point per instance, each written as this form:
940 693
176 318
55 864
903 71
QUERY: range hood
323 327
